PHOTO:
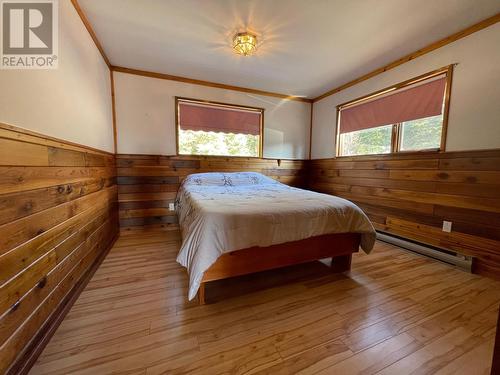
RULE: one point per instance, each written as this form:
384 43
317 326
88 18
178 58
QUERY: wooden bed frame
338 246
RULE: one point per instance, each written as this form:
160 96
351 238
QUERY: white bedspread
223 212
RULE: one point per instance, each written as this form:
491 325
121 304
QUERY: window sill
429 152
220 156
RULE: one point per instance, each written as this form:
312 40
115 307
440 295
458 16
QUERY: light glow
245 43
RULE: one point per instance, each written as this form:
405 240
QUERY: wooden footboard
339 247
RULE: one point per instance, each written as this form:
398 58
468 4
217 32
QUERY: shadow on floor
317 272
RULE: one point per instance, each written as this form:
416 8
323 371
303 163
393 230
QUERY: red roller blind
424 100
213 118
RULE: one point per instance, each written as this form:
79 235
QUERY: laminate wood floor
394 313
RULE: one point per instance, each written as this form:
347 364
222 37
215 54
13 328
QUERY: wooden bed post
341 263
201 294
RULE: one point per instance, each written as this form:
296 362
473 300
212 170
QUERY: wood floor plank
395 312
26 331
387 351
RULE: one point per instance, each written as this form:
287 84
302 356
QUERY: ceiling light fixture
245 43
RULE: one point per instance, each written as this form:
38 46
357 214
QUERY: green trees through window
211 143
368 141
420 134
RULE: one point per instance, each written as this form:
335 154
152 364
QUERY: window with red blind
207 128
409 116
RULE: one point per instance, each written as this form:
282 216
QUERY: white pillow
228 179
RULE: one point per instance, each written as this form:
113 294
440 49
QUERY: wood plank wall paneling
58 214
410 195
148 183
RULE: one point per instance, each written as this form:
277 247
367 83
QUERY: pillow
228 179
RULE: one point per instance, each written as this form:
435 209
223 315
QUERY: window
421 134
206 128
410 116
367 141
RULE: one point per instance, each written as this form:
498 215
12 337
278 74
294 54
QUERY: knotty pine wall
410 195
58 216
148 183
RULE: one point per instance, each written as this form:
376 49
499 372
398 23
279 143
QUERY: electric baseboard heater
458 260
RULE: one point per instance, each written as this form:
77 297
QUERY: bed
238 223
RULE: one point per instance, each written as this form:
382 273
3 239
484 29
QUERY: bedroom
233 186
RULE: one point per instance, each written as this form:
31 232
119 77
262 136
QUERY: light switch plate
171 206
447 226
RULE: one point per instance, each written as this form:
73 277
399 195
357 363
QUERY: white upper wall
145 116
474 121
72 102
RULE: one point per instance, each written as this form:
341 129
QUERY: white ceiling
307 46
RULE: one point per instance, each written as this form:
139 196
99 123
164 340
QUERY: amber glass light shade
245 43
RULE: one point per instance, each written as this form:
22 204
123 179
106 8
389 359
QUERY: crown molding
429 48
169 77
89 28
144 73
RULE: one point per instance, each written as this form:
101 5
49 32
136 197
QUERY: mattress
225 212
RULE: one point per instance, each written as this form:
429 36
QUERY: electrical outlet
447 226
171 206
